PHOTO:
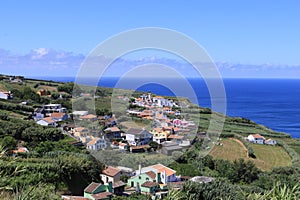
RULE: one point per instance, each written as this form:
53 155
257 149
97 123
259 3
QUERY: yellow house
159 135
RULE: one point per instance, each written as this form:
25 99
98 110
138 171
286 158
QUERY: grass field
231 150
267 157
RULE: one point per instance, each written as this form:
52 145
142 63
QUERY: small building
136 136
58 117
256 139
98 191
51 108
112 132
271 142
89 117
20 150
80 113
6 95
113 175
96 144
159 135
47 121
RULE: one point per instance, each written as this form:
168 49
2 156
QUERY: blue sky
239 33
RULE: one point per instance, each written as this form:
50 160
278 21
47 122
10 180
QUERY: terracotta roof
257 136
158 97
102 195
161 168
158 130
140 147
149 184
111 171
114 129
91 187
180 137
89 116
21 150
65 197
48 120
93 141
151 174
57 115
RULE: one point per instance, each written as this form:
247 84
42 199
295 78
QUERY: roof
149 184
111 171
89 116
93 141
102 195
161 168
92 187
140 147
49 120
269 140
258 136
135 131
117 184
180 137
66 197
114 129
21 150
58 115
79 129
151 174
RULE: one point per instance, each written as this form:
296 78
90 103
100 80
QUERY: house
20 150
89 117
136 136
94 191
58 117
6 95
96 144
159 135
80 132
98 191
178 139
169 147
47 121
271 142
80 113
51 108
112 132
256 138
113 175
139 149
147 182
123 146
165 174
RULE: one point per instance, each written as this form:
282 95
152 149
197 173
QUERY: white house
136 136
47 121
96 144
6 95
51 108
166 174
256 138
271 142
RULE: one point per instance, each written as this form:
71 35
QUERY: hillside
52 150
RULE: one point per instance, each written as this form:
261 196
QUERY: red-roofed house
96 144
256 138
113 175
58 117
47 121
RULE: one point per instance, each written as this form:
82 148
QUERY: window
147 179
140 177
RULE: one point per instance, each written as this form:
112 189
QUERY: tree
9 143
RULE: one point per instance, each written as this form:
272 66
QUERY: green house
98 191
146 182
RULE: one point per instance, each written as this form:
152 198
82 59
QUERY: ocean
274 103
